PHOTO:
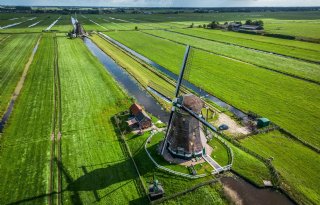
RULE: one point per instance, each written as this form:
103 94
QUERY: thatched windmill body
182 137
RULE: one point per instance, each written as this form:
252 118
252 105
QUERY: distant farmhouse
138 117
250 26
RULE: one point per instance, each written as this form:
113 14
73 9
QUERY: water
196 89
251 195
128 82
49 27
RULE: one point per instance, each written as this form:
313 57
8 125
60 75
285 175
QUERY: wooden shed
139 117
263 122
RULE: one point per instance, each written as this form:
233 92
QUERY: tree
204 26
248 22
259 23
213 25
136 28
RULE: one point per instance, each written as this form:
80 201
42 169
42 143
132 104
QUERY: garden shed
263 122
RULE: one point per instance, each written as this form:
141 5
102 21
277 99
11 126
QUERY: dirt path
234 127
55 159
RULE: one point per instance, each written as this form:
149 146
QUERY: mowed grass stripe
94 166
257 38
14 55
286 50
289 102
25 144
309 71
297 165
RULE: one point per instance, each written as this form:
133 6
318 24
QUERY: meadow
172 184
306 70
243 85
296 164
15 50
95 165
244 163
296 49
25 143
92 158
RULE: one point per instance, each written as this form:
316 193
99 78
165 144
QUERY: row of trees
217 25
254 23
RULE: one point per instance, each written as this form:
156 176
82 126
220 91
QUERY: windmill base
186 156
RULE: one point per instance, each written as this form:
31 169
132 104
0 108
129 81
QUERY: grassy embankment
281 98
25 144
95 167
14 54
244 164
145 74
297 164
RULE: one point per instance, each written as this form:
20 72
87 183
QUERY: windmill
182 137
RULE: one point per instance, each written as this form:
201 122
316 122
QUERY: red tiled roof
135 109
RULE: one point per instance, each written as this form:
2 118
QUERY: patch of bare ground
232 196
234 127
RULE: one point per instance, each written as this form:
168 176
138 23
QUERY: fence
167 169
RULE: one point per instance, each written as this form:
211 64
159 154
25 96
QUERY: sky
164 3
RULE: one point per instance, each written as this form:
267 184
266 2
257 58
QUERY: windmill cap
193 102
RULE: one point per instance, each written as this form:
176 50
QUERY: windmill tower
184 138
184 130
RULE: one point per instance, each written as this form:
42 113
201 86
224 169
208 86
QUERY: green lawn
297 165
282 99
95 168
172 184
301 28
220 152
245 162
25 144
15 51
297 49
203 195
265 60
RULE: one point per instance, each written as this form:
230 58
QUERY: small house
139 118
234 26
263 122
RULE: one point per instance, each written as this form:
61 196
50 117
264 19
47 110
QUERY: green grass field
245 86
296 49
25 144
302 29
15 50
95 166
92 157
171 183
264 60
297 165
244 164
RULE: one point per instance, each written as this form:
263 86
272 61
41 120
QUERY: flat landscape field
62 143
92 158
25 143
15 50
292 161
243 85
